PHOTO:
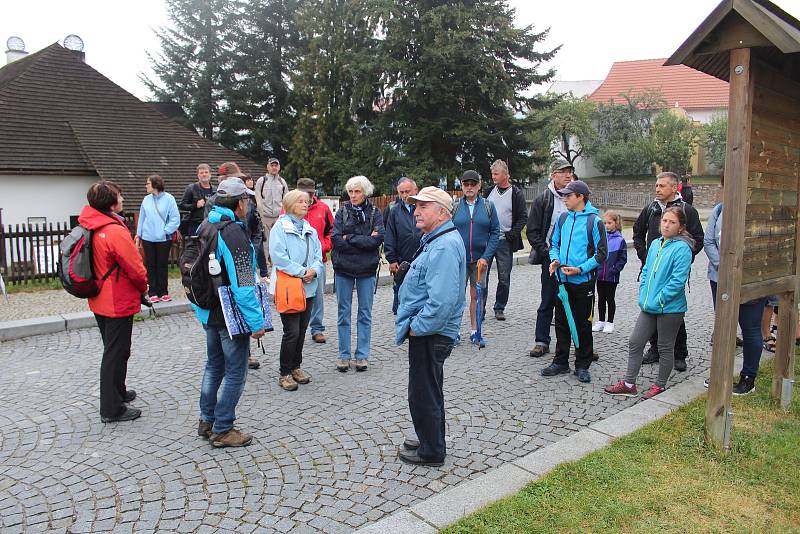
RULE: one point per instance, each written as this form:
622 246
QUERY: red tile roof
680 85
60 116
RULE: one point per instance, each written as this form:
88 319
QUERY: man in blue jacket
477 222
429 316
226 367
402 235
578 247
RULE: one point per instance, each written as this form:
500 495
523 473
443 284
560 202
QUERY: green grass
663 478
696 180
33 286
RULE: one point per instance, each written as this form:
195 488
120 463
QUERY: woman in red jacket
119 298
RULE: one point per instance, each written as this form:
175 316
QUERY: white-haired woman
357 237
295 249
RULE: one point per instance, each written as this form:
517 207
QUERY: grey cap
233 187
559 164
470 176
307 185
274 160
576 186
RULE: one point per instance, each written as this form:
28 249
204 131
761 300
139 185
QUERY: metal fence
602 199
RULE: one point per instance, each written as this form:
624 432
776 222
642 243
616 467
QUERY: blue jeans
318 309
226 367
504 258
750 322
544 315
365 287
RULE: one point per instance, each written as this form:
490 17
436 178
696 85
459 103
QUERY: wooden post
784 350
737 160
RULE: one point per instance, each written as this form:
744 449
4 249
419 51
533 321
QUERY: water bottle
214 268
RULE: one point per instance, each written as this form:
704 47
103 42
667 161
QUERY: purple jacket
616 259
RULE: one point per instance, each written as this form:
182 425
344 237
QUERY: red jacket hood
91 219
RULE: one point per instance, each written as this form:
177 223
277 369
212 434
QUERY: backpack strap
489 206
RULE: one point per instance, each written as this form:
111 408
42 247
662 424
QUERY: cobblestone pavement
324 457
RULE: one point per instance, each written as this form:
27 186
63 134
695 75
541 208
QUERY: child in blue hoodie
662 299
608 273
578 247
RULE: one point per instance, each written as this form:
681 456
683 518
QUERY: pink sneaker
154 299
621 389
166 298
652 392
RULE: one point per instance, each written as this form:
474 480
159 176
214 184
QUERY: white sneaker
608 328
598 326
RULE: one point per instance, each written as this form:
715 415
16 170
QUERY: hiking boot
598 326
652 392
252 363
300 376
499 315
608 328
129 396
622 390
538 351
231 438
361 365
319 337
746 385
651 356
203 429
583 375
343 366
287 383
680 365
555 369
125 414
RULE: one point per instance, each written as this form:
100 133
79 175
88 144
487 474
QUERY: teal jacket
238 257
287 249
431 297
664 276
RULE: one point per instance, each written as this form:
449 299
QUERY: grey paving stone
568 449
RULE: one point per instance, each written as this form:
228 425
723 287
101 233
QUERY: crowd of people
440 252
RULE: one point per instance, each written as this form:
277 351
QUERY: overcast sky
594 34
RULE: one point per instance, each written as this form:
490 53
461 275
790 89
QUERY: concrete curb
445 508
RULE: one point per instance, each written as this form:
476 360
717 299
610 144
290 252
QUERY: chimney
15 49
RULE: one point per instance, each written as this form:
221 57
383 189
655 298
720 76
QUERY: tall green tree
672 139
454 78
333 88
260 98
622 145
193 67
567 129
714 139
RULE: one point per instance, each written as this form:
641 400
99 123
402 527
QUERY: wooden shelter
755 46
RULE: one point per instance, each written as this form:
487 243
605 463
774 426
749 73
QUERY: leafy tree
672 138
453 77
260 98
622 145
567 129
714 139
193 66
335 101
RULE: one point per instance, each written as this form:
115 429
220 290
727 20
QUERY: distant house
63 126
695 93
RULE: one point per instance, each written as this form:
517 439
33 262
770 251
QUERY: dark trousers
681 350
750 314
426 356
116 335
581 301
606 292
505 260
156 259
294 333
544 314
190 227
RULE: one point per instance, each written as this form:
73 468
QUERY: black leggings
605 295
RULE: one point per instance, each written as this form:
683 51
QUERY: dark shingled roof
60 116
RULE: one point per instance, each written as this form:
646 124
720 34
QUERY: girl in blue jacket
608 272
662 299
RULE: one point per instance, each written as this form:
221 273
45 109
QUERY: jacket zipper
569 243
471 219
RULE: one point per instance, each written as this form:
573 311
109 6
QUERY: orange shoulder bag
290 293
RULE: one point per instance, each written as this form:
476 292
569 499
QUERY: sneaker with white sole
598 326
622 390
608 328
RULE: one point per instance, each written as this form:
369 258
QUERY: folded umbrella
564 298
479 310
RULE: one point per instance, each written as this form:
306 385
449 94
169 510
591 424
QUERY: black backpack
197 282
75 268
